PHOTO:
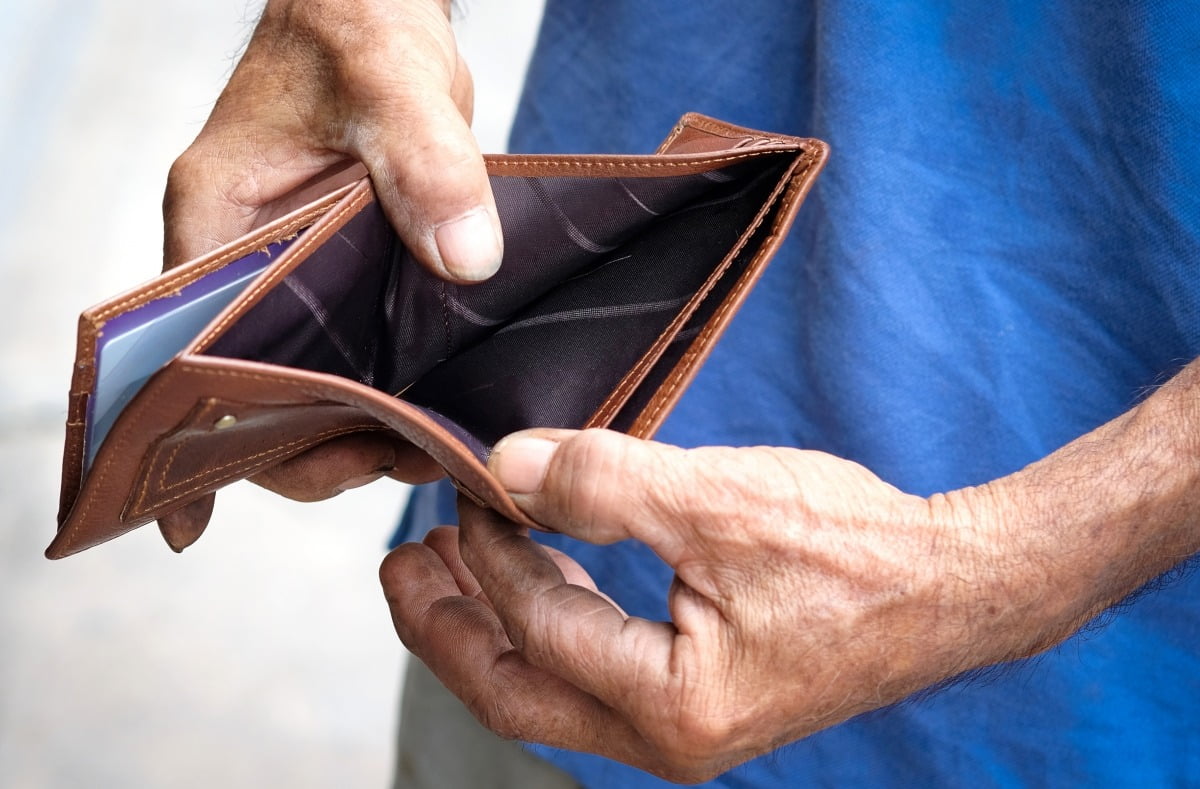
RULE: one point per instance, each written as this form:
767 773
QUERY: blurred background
264 655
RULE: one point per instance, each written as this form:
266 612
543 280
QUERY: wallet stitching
679 127
95 323
664 395
641 165
236 252
206 475
316 390
273 277
318 393
667 391
634 377
98 476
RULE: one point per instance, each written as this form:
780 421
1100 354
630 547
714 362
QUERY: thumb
601 486
432 184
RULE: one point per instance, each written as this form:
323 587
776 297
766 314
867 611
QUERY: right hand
323 83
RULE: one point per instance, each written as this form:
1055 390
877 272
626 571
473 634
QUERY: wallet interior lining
595 269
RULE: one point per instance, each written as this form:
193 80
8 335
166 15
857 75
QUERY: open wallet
619 275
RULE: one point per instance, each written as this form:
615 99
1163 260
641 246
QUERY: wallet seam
693 161
93 324
96 478
619 396
674 135
137 508
700 345
199 415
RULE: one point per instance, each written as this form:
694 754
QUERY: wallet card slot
595 269
133 345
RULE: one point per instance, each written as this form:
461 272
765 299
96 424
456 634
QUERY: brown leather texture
620 274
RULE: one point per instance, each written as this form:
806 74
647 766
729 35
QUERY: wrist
1058 542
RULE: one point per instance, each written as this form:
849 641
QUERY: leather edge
685 370
93 319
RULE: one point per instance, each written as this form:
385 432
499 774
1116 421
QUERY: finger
346 462
602 487
432 184
444 542
563 628
184 526
573 572
463 643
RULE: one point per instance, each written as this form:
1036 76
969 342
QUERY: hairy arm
806 589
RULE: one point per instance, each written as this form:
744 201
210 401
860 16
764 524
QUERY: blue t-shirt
1002 255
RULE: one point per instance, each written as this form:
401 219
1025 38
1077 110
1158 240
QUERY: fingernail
520 463
469 246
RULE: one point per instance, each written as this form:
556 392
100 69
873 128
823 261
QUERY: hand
806 589
323 83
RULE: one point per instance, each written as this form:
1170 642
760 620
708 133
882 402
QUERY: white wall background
263 656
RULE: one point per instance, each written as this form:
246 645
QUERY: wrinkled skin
806 591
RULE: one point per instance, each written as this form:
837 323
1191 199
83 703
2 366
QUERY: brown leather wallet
619 274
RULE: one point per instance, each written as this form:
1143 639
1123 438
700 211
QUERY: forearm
1094 521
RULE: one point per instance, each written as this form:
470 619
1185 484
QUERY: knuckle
393 565
585 471
695 744
182 176
686 764
495 714
436 156
495 718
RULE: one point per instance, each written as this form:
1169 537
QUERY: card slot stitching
91 330
101 470
97 477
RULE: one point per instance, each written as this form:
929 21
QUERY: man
989 301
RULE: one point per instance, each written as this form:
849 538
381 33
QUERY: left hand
806 591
